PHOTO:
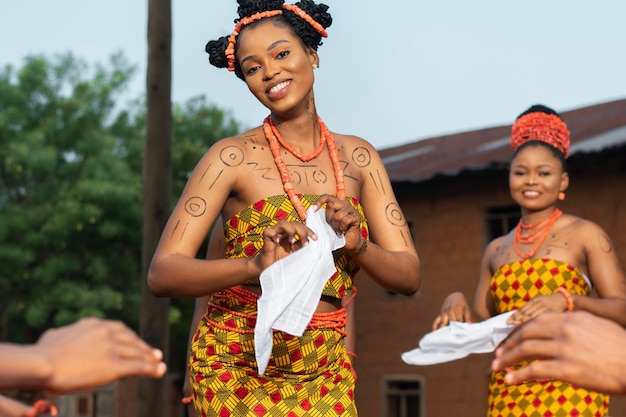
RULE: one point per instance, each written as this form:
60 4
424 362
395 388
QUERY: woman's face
536 178
277 67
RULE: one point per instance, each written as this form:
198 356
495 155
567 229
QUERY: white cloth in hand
459 339
291 287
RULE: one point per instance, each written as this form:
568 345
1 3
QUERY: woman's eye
282 54
252 70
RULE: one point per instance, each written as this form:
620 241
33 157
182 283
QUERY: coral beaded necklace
536 232
275 141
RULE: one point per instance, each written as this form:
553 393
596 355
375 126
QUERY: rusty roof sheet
593 128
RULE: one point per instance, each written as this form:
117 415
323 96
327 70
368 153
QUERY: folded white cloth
459 339
291 287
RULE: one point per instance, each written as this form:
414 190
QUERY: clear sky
392 71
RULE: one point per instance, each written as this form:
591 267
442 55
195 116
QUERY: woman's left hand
344 219
554 303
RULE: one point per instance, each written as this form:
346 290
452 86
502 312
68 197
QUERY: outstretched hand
579 348
94 352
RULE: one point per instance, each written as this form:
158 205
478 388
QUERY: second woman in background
549 262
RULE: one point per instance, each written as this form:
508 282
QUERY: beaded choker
275 141
536 232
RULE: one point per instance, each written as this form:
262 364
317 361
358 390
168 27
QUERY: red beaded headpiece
548 128
232 39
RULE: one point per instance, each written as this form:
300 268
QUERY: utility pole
157 193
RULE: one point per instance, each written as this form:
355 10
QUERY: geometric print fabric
309 375
244 236
512 285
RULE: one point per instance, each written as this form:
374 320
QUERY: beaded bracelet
41 407
568 297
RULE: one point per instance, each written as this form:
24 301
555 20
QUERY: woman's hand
282 239
345 220
555 303
454 308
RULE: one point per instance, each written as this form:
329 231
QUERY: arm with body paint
390 257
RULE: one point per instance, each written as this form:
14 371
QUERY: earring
561 195
315 66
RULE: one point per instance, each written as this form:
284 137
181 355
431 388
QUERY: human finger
441 321
525 343
321 200
289 231
539 370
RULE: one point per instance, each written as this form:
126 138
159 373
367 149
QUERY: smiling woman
266 182
548 263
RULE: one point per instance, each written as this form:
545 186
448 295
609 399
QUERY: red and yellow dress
309 375
512 285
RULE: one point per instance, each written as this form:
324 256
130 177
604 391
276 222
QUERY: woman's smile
277 91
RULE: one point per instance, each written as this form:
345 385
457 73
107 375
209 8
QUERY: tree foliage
70 189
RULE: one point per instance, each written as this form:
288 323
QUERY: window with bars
500 220
403 397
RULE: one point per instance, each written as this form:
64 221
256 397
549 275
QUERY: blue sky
391 72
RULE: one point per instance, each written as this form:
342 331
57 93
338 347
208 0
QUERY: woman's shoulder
583 230
351 141
580 225
357 149
253 135
232 147
498 244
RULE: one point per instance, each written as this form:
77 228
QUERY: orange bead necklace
275 141
303 158
536 232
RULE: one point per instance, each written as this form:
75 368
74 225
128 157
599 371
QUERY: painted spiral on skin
361 157
196 206
394 215
231 156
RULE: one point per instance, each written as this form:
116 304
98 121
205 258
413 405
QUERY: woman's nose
270 71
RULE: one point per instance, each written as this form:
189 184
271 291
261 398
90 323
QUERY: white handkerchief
459 339
291 287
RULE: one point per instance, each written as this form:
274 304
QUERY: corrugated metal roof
592 129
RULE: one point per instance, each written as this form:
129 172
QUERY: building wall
448 224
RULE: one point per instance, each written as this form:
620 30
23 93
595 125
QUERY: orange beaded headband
548 128
232 39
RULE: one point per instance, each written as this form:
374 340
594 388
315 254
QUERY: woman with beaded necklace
548 263
263 182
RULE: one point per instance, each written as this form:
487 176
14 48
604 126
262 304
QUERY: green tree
70 190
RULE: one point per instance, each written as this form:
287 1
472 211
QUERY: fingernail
161 368
508 378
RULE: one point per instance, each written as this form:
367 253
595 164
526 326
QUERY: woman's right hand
282 239
454 308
